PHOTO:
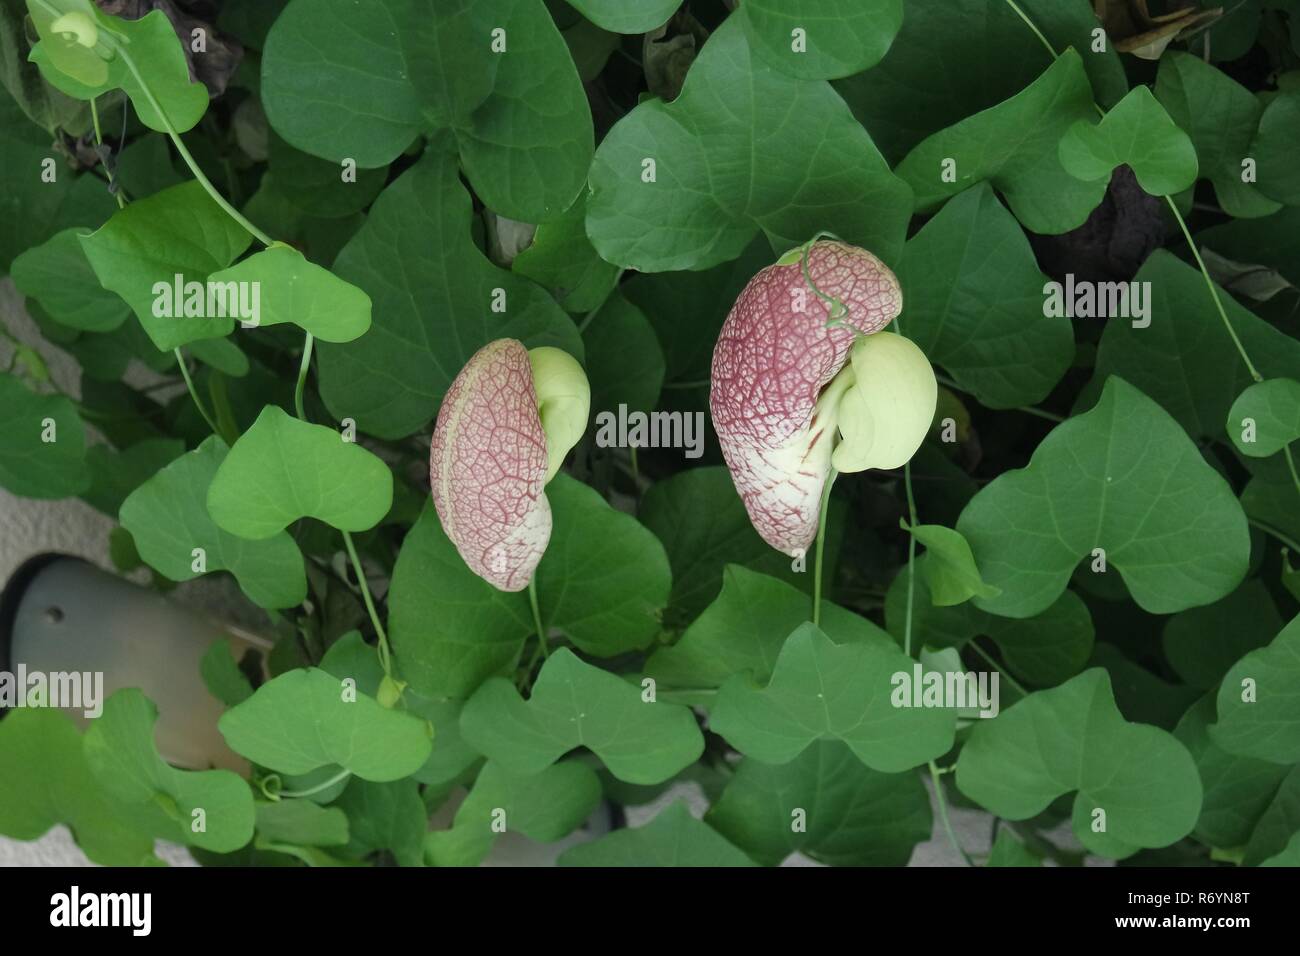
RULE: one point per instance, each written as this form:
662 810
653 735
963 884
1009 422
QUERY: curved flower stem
537 617
189 384
821 547
942 800
303 366
319 788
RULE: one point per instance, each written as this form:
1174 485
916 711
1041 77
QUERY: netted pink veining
772 360
487 466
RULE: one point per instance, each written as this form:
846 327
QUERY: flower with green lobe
504 428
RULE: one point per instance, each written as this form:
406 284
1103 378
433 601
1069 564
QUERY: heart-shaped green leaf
827 805
115 474
1220 116
155 51
1259 702
546 806
1122 477
139 253
1202 643
306 719
361 79
58 276
688 184
562 259
295 290
1137 785
824 691
620 16
1265 418
222 676
673 838
168 518
301 823
45 781
1185 359
743 630
924 82
350 48
42 443
1276 145
704 527
976 308
604 579
319 187
1014 146
437 301
385 816
1278 824
821 40
450 629
574 704
1136 132
212 809
625 364
1238 790
283 469
950 570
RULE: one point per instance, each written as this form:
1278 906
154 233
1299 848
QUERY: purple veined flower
504 428
804 380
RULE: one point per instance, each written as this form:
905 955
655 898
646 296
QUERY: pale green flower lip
563 402
506 424
887 410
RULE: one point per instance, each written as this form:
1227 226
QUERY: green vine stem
936 778
303 367
911 558
385 655
1214 293
821 547
181 148
194 394
537 618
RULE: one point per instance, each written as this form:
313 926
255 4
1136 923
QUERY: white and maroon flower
505 425
786 402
